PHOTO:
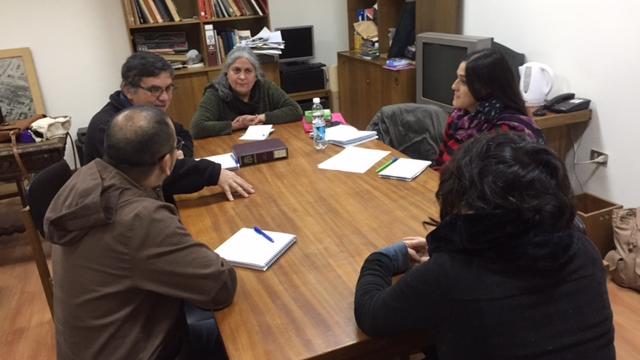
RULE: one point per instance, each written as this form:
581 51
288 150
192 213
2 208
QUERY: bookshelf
190 82
364 86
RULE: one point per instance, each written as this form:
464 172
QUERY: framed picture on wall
20 96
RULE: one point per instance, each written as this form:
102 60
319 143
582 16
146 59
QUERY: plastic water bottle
319 126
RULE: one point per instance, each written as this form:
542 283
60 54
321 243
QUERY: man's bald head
138 137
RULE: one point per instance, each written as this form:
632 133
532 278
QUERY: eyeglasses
157 90
179 144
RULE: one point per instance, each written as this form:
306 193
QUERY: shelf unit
364 86
191 82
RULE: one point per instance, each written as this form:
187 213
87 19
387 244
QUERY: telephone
567 102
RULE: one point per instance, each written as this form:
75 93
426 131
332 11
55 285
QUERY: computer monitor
298 43
437 58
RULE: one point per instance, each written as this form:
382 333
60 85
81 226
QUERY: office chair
44 186
413 129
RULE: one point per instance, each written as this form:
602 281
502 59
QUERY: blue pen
262 233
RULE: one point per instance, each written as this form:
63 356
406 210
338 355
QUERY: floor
27 329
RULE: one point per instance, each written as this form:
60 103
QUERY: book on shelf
255 248
163 10
144 12
129 12
210 13
234 6
175 41
202 10
175 57
265 6
151 7
227 7
210 36
173 10
256 7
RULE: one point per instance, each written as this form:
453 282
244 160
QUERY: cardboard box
595 213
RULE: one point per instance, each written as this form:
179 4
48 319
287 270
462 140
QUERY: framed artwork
20 96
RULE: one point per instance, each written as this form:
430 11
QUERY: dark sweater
214 114
492 290
188 175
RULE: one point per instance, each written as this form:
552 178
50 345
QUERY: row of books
151 11
214 9
161 42
220 42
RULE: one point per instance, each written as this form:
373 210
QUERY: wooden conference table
302 307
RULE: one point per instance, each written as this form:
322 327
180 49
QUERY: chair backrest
43 188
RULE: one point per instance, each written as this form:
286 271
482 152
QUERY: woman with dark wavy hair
486 98
505 275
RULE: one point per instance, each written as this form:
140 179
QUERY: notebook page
249 249
405 168
257 132
353 159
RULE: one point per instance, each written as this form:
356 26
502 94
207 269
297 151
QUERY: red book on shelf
202 9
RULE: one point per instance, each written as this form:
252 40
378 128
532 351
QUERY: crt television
298 43
437 58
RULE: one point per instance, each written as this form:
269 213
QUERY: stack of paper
353 159
266 42
227 161
250 249
404 169
346 135
257 132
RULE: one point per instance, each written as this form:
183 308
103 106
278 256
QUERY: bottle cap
316 100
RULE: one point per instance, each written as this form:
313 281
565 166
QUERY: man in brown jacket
123 264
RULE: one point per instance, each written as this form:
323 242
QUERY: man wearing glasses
147 79
127 274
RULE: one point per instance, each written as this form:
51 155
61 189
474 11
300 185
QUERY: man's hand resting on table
230 183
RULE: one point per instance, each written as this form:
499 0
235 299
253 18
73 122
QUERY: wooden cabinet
364 85
191 82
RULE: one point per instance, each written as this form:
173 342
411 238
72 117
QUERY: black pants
203 338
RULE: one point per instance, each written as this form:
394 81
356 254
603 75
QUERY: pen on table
262 233
386 165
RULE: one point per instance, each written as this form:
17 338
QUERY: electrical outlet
596 154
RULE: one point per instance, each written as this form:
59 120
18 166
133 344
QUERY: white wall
329 20
77 47
594 48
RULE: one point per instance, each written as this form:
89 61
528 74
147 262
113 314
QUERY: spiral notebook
247 248
404 169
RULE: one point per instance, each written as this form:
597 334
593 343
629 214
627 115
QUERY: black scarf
252 107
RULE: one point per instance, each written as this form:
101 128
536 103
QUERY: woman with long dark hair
486 99
505 275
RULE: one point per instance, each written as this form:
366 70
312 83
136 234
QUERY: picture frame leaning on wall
20 95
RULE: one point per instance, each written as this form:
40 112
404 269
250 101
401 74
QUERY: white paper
249 249
405 169
257 132
345 135
227 161
353 159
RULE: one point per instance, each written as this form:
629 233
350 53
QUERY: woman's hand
242 122
259 119
417 248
